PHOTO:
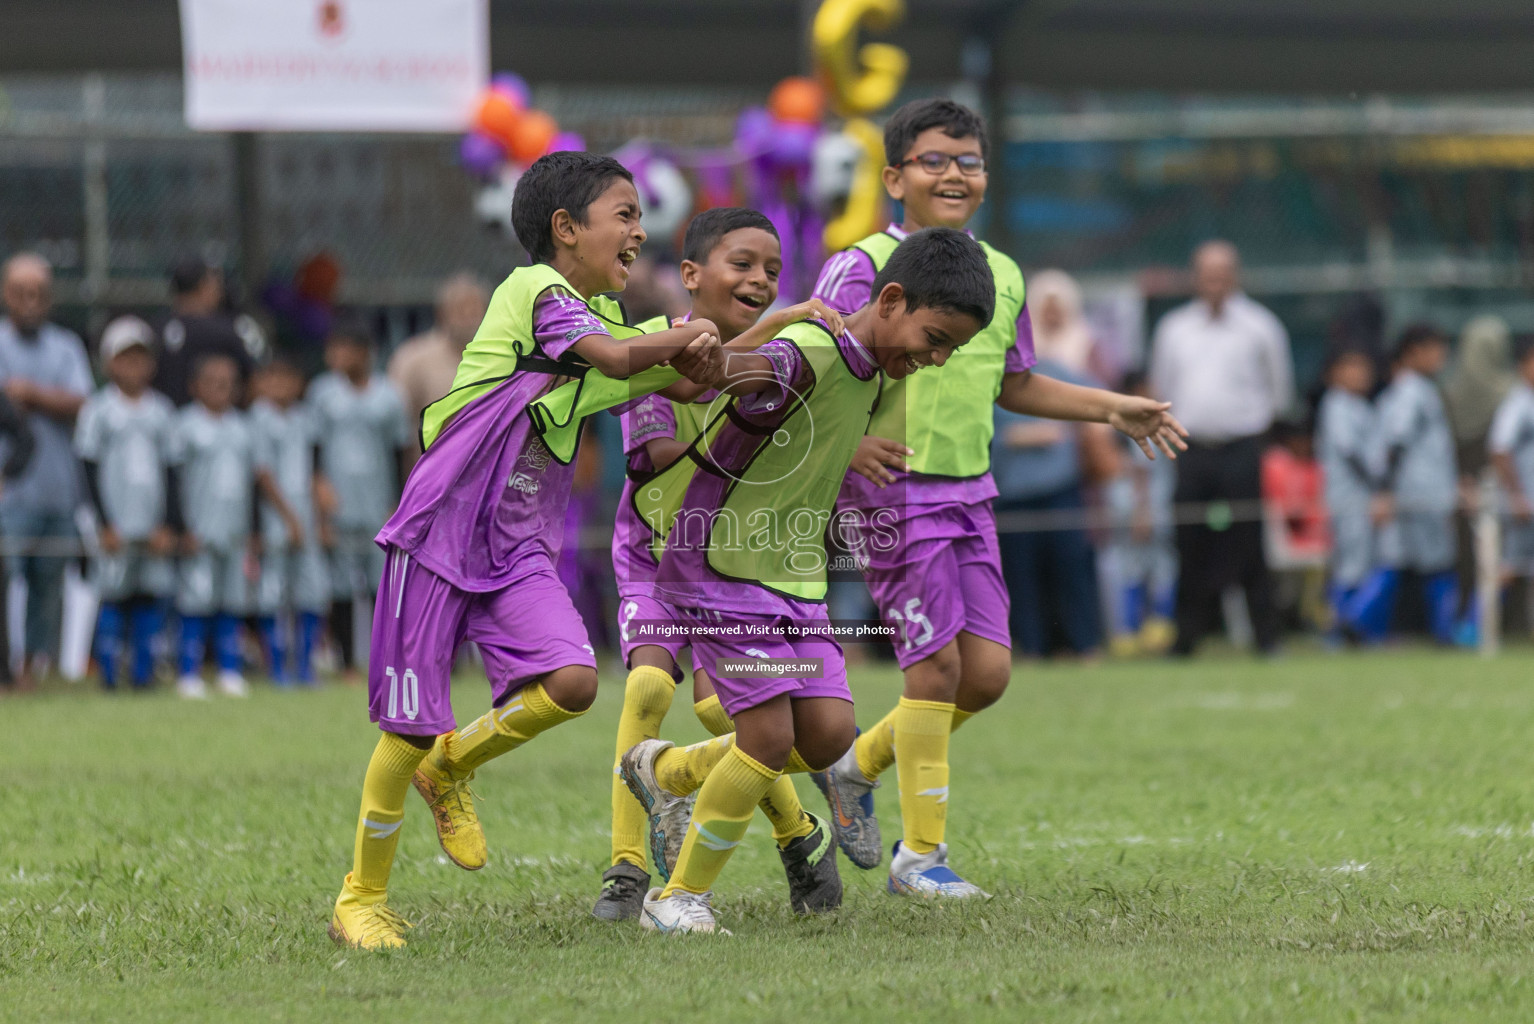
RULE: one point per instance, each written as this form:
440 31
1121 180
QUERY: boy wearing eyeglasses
916 505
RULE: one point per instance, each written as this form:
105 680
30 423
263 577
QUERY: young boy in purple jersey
471 550
923 478
731 259
744 518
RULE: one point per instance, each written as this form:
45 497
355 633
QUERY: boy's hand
1382 509
327 533
162 541
813 309
189 543
253 558
1519 506
110 541
874 457
1150 424
701 361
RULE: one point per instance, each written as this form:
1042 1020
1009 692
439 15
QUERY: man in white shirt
422 368
1223 362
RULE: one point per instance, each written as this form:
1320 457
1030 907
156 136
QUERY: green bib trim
944 412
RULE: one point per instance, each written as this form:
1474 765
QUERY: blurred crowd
220 499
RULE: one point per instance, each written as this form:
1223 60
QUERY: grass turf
1337 838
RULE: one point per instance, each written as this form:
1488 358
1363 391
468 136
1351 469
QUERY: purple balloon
754 130
568 142
480 153
514 86
793 144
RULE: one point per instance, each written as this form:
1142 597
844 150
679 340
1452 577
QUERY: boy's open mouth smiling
750 300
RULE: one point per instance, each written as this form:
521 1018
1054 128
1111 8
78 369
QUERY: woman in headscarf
1060 331
1483 377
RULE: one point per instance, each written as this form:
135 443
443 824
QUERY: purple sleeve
846 281
560 320
790 373
649 419
1020 356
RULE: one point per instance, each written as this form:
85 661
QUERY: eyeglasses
936 163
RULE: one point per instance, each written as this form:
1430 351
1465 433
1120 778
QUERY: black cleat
814 884
623 889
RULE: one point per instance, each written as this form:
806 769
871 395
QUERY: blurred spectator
1138 564
1421 480
1223 362
48 377
1294 521
1349 449
1061 334
1042 467
1511 446
422 368
1483 375
199 326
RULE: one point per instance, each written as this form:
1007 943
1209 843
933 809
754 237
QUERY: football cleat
366 926
928 875
623 892
451 800
680 913
851 796
814 884
669 813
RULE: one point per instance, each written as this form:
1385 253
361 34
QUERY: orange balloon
797 100
498 117
530 139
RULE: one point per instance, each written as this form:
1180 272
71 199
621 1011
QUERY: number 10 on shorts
411 696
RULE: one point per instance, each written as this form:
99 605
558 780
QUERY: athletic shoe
814 884
232 684
366 926
190 687
851 796
623 891
451 800
928 875
669 814
680 913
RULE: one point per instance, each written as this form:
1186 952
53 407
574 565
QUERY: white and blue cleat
851 797
681 913
928 875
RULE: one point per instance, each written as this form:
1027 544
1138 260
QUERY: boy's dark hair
708 227
188 275
1416 335
207 359
280 363
956 120
559 181
1348 350
350 327
941 268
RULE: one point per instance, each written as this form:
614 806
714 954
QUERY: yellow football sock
646 699
921 762
499 730
719 819
383 809
681 770
876 747
781 804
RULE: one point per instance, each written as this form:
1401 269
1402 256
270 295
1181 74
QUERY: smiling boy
743 517
922 478
731 260
471 551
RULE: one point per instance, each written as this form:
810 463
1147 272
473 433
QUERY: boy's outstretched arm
1148 422
620 358
759 334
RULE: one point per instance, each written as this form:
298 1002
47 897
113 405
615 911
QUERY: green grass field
1344 838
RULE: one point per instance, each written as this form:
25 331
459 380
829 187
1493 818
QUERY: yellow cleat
1157 635
366 926
452 807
